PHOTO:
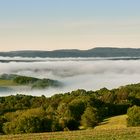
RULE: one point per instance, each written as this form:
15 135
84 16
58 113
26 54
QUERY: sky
68 24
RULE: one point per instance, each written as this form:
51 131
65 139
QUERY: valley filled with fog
74 73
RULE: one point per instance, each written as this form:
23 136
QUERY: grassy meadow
113 128
116 122
91 134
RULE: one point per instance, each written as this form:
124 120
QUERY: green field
113 128
6 83
110 134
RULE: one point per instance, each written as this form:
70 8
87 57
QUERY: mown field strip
91 134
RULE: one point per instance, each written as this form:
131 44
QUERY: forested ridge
94 52
69 111
8 80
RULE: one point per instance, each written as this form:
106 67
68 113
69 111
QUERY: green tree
75 109
90 117
29 121
133 116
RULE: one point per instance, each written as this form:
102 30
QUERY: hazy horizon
53 25
68 49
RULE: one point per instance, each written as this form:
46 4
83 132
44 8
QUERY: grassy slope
6 83
116 122
114 129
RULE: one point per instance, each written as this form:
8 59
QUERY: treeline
69 111
31 81
35 82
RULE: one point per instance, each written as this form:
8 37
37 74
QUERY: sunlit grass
92 134
114 129
115 122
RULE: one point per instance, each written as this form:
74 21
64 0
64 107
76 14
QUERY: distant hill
95 52
10 80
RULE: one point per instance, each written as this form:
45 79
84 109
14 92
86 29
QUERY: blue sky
69 24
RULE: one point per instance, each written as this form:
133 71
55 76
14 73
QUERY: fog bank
75 74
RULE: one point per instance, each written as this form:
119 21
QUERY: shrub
133 116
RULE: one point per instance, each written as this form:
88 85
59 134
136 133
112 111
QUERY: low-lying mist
76 73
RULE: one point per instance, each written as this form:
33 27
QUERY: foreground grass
113 128
110 134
